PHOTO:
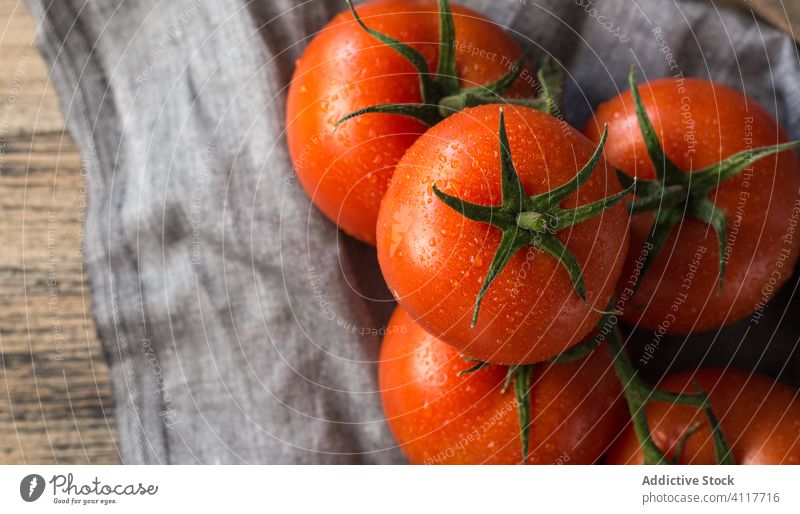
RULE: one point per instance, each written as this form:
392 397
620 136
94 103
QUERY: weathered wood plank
55 396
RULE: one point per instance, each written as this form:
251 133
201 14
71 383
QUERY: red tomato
346 170
435 260
441 418
760 420
700 123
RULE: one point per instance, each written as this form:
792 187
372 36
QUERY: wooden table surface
55 396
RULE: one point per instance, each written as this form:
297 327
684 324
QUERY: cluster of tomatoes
513 242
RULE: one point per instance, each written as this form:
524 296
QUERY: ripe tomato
698 124
760 419
346 170
435 260
442 418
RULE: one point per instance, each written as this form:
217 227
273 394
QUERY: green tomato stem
639 394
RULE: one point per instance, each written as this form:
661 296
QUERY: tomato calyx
639 394
534 220
674 194
550 77
440 91
521 375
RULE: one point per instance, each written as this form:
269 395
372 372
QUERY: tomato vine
533 220
674 194
440 91
639 394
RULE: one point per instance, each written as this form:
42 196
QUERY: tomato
435 260
439 417
698 124
759 417
346 169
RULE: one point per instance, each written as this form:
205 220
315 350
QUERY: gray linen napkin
239 325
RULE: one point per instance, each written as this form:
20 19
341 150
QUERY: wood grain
55 397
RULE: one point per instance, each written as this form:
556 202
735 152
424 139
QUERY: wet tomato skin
346 170
434 259
699 126
441 418
760 419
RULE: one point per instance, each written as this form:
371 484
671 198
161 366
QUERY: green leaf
542 201
556 249
473 211
644 188
666 170
662 228
446 75
551 79
522 390
513 192
513 240
710 177
705 211
577 352
457 103
427 114
427 85
667 197
570 217
627 180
